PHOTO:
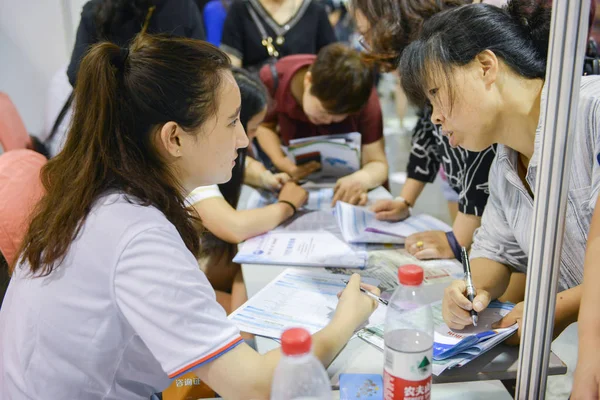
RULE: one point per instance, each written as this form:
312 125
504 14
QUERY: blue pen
469 282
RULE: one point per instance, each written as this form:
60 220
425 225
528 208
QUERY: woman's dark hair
396 23
342 79
254 100
112 14
122 99
517 34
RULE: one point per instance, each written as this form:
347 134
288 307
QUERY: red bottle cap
296 341
410 275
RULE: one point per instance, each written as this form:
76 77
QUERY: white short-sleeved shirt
203 193
126 312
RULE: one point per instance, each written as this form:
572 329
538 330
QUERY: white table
477 379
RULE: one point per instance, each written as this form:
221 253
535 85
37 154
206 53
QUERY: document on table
296 298
453 348
359 225
339 155
383 266
309 248
318 199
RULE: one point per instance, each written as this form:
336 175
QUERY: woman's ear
307 79
488 65
169 140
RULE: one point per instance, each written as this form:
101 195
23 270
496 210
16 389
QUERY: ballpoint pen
371 295
469 282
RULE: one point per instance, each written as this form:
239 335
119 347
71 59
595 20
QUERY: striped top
505 232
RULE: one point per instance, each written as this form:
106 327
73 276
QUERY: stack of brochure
339 155
452 348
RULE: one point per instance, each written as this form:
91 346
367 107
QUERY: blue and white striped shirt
505 232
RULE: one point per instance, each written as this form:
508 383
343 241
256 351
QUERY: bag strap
59 119
275 76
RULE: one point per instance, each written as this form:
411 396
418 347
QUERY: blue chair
214 14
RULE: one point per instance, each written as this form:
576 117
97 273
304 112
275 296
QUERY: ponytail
119 105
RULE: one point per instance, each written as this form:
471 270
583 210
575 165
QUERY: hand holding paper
350 189
390 210
514 317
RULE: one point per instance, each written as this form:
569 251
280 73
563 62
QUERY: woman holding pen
492 91
106 300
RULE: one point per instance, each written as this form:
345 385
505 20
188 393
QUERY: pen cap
295 341
410 275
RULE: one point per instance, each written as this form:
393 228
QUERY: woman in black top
120 20
389 26
257 31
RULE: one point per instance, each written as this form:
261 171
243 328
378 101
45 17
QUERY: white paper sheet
296 298
359 225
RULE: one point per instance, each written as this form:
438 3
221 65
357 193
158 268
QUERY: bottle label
407 376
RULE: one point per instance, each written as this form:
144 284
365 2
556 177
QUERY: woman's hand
390 210
354 307
515 316
586 383
456 307
273 182
294 194
350 189
300 172
429 245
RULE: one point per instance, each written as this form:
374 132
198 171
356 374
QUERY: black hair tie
120 60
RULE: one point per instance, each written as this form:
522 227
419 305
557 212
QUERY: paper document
452 348
359 225
339 155
318 199
383 266
310 249
296 298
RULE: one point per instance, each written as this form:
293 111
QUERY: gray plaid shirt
505 232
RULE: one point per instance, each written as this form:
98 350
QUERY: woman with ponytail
106 299
325 94
225 226
491 91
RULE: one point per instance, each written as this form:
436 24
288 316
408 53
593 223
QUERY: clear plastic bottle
408 339
299 374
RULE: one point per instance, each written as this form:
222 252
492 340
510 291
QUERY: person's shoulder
237 5
590 88
295 61
119 212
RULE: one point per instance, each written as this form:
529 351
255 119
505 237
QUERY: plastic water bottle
408 339
299 375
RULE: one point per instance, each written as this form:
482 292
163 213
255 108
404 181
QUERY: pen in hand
469 282
371 295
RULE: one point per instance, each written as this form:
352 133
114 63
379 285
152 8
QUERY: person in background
216 205
107 300
20 190
321 95
387 27
492 91
261 31
120 21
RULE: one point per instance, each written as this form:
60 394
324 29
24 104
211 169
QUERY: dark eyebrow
236 113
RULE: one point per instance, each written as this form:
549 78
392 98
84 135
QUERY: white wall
35 42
